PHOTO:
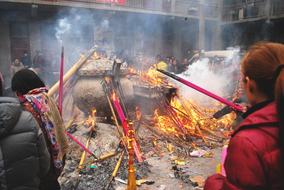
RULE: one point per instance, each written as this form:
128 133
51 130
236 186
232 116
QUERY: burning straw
180 121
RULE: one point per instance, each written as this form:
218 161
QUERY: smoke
105 24
68 28
131 35
215 74
116 33
63 27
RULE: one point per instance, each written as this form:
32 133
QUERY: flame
114 97
91 120
95 56
131 70
153 77
183 117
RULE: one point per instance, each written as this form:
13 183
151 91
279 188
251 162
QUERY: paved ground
163 175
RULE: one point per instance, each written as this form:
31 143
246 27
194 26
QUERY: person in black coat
26 60
24 158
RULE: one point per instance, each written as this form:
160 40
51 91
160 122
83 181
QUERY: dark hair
25 80
260 64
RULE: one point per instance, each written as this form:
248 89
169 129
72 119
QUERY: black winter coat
24 158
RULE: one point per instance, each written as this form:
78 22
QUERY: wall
134 32
5 58
248 33
35 39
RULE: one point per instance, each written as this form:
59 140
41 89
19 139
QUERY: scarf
50 121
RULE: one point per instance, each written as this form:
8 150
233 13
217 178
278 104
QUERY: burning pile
175 120
181 121
153 78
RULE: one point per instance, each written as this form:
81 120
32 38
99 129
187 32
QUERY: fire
91 120
153 77
131 70
183 117
180 117
114 97
95 56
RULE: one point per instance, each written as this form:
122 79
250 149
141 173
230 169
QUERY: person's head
174 61
17 62
263 74
258 67
26 80
168 59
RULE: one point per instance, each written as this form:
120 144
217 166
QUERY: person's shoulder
13 118
12 108
26 123
8 100
263 138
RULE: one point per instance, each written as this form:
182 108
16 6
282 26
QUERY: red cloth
119 2
253 159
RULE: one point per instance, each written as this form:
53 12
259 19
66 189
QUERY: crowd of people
40 64
33 144
171 64
23 62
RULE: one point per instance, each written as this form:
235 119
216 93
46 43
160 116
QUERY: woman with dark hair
32 94
255 155
26 80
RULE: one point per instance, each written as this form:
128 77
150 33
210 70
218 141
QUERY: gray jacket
24 158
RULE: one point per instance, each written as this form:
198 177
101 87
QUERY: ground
163 174
168 170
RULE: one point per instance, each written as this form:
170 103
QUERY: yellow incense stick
83 157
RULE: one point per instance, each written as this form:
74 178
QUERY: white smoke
63 27
105 24
218 78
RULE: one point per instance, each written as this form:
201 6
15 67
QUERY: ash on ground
96 175
169 165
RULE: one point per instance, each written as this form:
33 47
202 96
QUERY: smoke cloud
63 27
219 77
121 33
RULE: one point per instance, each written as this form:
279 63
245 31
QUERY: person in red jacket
255 155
